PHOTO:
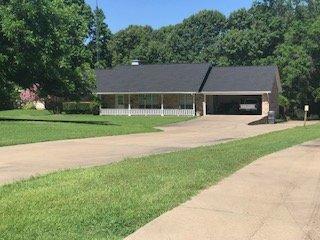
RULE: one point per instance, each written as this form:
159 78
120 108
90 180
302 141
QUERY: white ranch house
187 89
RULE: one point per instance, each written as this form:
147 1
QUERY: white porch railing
139 112
147 112
179 112
114 111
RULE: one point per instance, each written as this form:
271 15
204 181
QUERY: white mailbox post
306 110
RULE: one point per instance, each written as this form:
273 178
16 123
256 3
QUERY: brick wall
199 104
265 104
274 104
171 101
270 103
134 99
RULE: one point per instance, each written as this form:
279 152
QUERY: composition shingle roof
231 79
152 78
165 78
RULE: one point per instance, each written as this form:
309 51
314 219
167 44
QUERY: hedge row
80 107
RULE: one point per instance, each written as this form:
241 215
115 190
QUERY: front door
119 101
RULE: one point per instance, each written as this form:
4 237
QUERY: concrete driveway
275 198
24 161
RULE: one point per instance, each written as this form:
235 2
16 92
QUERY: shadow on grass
2 119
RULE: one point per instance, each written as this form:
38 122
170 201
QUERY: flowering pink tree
30 95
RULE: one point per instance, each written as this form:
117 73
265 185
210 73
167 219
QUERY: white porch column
204 105
129 105
194 104
265 104
100 107
162 109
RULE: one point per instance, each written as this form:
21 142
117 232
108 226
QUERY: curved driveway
276 197
24 161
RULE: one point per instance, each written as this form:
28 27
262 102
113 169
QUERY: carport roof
242 79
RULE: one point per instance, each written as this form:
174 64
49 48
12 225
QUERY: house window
119 101
149 101
186 101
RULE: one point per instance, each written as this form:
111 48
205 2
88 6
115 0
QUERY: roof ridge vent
135 62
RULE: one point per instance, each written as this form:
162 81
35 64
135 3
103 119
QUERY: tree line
55 43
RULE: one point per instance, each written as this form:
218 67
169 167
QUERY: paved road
24 161
275 198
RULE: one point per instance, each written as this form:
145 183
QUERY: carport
233 104
241 90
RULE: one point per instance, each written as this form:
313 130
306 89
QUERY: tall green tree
7 86
130 43
296 68
47 39
188 40
99 44
240 19
299 62
252 37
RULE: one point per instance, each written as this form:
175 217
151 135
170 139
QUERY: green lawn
112 201
28 126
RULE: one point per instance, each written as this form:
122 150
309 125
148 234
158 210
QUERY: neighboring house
187 89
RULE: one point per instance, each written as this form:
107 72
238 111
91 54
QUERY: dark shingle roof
167 78
230 79
152 78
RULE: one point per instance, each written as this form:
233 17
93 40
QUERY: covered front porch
178 104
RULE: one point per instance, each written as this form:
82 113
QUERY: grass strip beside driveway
30 126
112 201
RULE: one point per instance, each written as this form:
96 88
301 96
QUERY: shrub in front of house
30 99
80 107
54 104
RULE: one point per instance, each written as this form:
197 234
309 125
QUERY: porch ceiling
137 93
236 93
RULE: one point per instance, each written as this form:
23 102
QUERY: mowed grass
112 201
29 126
